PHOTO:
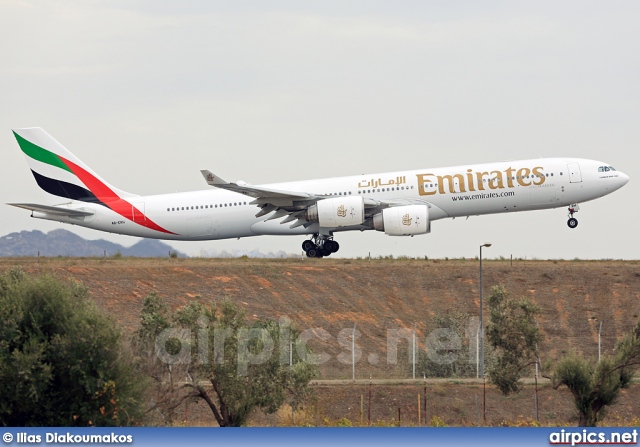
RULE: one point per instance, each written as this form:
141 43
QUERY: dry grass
379 295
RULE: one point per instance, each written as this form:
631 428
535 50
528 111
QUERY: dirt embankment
378 296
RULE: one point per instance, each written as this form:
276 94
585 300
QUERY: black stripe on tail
65 189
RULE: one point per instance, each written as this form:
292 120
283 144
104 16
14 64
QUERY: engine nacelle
337 212
403 220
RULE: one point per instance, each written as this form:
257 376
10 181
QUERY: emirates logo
342 212
406 220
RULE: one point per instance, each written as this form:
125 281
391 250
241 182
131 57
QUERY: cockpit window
606 168
611 168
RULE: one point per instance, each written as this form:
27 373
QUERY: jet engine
403 220
337 212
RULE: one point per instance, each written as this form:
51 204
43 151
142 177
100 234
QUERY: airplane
400 203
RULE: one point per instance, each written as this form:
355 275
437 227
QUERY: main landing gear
319 246
573 222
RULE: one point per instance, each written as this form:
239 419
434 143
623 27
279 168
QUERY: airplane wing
254 191
278 203
55 210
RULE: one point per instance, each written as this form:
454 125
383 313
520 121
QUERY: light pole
593 320
481 324
599 331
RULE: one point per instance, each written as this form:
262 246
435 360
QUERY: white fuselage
450 192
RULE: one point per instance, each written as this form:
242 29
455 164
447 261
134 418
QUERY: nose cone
623 178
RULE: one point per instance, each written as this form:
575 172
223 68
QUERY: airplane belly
199 226
274 228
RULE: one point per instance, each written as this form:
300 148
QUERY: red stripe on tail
111 199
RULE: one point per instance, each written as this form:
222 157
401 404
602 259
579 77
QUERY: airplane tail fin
60 173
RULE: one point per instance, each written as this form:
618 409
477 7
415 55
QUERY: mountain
65 243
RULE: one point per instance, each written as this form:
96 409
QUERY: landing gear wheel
319 246
313 252
330 246
573 222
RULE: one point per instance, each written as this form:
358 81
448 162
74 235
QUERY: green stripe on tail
40 154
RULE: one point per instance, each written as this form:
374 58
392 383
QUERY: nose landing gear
319 246
573 222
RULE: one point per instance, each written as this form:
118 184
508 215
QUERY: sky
147 93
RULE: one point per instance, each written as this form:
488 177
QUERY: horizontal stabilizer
55 210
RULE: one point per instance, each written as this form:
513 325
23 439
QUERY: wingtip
211 178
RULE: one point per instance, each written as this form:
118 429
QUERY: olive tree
62 361
513 334
595 385
447 348
233 366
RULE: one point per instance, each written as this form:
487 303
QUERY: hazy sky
147 93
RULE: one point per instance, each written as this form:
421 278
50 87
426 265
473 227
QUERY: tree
233 367
513 333
62 362
596 385
447 353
